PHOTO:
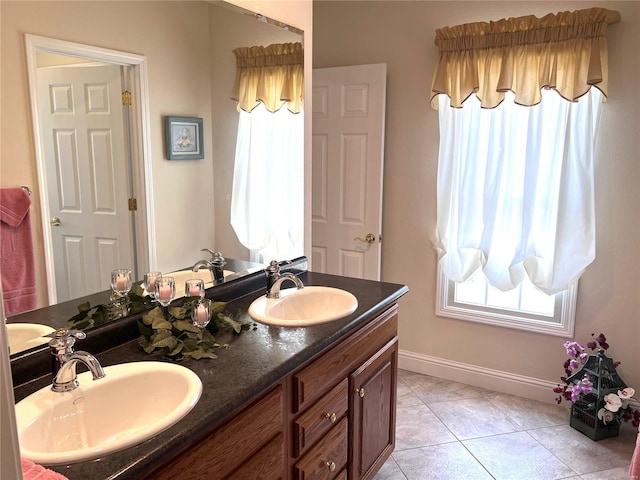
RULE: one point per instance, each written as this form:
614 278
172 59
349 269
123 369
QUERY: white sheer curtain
516 190
267 201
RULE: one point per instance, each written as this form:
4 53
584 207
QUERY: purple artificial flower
575 392
573 349
586 385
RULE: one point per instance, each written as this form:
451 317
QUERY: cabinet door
373 412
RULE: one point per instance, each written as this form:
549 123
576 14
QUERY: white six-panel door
87 177
348 158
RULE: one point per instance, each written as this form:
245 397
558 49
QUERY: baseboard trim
497 380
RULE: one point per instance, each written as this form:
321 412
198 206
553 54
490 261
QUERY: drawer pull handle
360 391
331 417
331 466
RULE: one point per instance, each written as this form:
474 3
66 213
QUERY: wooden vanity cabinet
361 372
333 419
373 412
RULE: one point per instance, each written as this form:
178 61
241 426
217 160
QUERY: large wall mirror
177 60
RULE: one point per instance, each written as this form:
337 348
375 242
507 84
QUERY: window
523 308
515 209
519 103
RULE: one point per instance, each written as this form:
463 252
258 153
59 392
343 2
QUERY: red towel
16 252
634 468
33 471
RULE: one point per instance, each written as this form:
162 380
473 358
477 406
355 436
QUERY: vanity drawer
326 460
311 382
317 420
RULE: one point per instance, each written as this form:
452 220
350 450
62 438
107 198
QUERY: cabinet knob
360 391
331 417
331 466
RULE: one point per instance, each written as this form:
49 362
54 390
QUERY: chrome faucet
275 279
215 265
64 379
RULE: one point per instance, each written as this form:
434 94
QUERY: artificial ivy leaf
145 344
207 336
164 338
160 323
178 312
190 344
185 326
176 350
84 307
151 315
144 329
217 308
199 353
237 326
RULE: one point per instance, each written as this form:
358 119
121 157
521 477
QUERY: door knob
55 222
369 238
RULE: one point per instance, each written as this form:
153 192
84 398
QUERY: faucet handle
273 269
211 252
64 339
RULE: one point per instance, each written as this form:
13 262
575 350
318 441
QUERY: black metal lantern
600 370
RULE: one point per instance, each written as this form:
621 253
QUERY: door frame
140 144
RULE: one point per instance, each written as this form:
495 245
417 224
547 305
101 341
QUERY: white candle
164 292
152 283
121 282
194 291
201 314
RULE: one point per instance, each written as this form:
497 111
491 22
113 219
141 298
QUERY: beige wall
401 34
174 37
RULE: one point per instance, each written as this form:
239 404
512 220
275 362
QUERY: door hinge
133 205
126 98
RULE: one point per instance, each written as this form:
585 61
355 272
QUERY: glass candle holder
121 281
165 290
150 282
194 287
201 314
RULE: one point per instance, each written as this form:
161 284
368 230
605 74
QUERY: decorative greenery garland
177 337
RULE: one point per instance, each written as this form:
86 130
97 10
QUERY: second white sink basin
23 336
299 308
132 403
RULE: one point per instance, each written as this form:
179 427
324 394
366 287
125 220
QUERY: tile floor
451 431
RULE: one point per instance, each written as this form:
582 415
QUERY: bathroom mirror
223 33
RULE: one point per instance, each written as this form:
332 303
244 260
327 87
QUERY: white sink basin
299 308
132 403
23 336
184 275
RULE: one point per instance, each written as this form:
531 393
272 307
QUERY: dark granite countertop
256 361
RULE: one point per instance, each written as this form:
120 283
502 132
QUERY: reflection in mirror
228 28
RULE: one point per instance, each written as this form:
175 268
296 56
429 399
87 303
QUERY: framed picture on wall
184 138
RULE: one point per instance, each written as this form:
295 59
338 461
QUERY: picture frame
184 138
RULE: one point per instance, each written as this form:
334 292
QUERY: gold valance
273 75
566 51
